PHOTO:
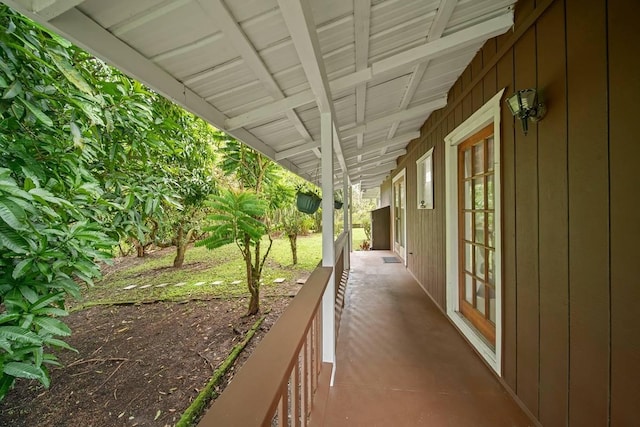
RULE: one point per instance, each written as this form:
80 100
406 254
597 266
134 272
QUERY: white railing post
328 254
346 191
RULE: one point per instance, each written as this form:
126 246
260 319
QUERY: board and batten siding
571 208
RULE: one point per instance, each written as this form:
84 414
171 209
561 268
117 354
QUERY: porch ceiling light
526 105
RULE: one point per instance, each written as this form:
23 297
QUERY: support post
328 249
346 219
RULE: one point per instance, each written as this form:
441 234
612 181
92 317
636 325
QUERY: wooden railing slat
265 374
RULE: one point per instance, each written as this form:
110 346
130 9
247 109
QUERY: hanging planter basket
308 203
337 204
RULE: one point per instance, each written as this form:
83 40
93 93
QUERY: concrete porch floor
401 363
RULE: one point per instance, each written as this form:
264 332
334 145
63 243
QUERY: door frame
485 115
402 175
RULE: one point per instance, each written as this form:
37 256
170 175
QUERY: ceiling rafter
429 50
310 146
387 143
49 9
299 20
411 113
181 50
147 15
362 16
220 14
443 15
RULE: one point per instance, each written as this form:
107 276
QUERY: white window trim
400 175
420 187
487 114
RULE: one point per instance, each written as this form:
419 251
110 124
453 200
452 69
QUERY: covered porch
400 362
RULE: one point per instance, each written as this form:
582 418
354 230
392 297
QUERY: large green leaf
13 90
38 113
26 370
12 214
12 240
52 325
19 334
54 342
71 73
46 301
22 268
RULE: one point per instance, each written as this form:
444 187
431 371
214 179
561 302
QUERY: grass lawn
155 278
357 237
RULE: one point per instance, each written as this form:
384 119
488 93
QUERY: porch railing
340 245
276 384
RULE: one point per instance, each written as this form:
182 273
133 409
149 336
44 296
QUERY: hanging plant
307 200
337 199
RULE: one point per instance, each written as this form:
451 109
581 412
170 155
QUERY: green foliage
366 226
85 160
235 220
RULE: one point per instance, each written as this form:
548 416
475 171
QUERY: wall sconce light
525 104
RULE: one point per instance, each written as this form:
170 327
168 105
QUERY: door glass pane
467 163
490 153
490 230
490 193
467 195
468 258
401 230
468 289
479 228
479 261
480 296
467 226
478 193
491 268
478 158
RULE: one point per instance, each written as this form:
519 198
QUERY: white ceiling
262 70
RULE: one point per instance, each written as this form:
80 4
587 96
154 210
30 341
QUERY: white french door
399 215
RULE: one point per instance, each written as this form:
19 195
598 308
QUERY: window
424 167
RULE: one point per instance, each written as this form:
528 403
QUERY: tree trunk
181 247
254 301
253 277
140 249
293 240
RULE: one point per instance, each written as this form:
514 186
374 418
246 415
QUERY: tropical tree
236 219
77 173
293 223
51 203
250 172
190 164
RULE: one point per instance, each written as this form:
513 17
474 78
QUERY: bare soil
137 365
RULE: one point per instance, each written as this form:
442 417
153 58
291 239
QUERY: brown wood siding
526 165
553 220
624 152
588 213
571 338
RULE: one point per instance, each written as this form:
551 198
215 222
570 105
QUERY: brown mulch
139 365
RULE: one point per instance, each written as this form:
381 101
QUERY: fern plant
237 218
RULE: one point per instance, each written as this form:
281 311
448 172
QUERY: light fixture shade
525 105
523 102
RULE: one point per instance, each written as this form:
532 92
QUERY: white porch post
328 250
346 219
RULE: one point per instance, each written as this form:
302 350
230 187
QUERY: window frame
424 189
